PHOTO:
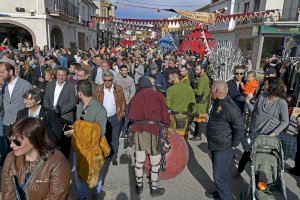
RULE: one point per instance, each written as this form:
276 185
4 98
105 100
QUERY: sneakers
212 195
114 162
157 192
139 189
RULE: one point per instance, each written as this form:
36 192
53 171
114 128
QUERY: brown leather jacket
98 94
51 181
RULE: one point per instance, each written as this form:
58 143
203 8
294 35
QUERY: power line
154 4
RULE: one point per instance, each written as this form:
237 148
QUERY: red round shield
176 159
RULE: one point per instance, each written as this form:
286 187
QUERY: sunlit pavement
190 184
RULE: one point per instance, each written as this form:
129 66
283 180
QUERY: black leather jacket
225 128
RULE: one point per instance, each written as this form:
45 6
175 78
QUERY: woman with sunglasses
33 170
270 116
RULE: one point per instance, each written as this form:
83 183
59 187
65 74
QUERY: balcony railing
67 8
290 14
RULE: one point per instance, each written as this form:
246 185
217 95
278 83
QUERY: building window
256 5
83 13
246 7
104 12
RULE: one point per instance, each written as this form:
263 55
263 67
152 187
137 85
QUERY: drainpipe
48 35
37 6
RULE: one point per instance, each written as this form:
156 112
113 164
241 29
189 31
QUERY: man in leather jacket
225 130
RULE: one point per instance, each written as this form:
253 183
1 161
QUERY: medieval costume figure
181 101
202 95
148 122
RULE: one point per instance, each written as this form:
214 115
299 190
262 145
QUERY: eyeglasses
239 73
16 142
107 80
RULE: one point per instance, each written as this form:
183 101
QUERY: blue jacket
160 82
63 62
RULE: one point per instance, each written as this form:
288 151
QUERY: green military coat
203 92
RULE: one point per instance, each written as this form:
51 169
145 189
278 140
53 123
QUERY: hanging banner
190 18
201 17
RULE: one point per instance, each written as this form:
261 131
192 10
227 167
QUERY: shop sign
280 30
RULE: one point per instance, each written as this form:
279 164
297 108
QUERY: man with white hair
112 97
105 67
225 130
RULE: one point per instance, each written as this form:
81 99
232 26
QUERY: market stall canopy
168 43
197 41
126 43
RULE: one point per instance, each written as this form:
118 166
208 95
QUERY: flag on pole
201 17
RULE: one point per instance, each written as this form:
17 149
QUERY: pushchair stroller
267 168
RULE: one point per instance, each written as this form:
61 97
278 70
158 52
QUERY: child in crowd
250 86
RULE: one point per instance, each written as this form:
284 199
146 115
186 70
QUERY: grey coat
13 104
66 101
138 72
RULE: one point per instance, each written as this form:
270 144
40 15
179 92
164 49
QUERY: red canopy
126 43
194 41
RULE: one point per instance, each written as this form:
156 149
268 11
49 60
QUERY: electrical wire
155 4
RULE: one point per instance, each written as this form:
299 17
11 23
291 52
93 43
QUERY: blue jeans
81 187
222 161
1 126
112 133
126 121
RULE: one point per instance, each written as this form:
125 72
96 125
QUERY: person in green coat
184 74
181 101
201 87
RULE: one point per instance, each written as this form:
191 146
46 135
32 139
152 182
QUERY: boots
199 129
155 191
140 157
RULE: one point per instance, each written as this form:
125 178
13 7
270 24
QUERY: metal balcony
65 9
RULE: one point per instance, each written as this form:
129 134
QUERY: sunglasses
239 73
16 142
107 80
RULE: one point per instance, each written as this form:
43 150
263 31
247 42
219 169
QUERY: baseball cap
153 66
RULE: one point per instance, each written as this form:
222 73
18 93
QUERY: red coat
149 105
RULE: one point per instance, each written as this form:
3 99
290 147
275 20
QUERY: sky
131 8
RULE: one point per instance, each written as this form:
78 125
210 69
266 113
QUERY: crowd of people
138 93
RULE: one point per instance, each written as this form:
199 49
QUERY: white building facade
259 38
56 23
105 31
